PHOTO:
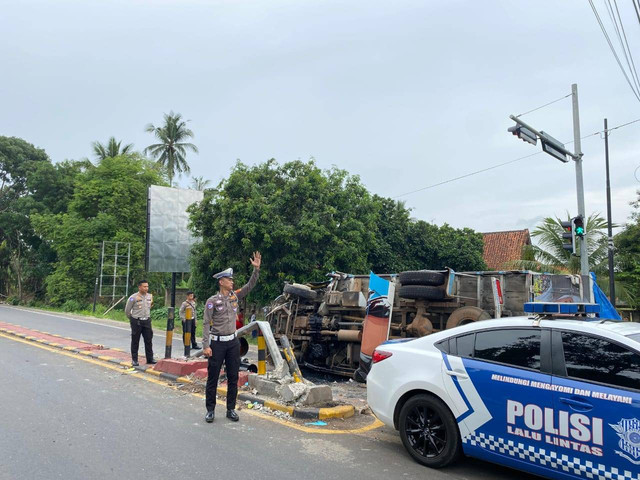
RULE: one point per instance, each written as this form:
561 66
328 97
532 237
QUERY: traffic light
578 226
569 236
524 133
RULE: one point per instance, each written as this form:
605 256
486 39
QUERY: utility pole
612 286
584 256
557 150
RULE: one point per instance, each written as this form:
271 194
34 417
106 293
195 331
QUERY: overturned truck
324 321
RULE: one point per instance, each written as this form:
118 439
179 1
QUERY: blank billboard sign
169 239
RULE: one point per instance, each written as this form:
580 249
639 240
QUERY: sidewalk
190 373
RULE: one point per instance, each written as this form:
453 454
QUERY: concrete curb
340 411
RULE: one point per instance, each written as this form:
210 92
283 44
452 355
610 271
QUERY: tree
627 244
30 185
171 152
403 243
108 203
550 256
111 149
199 183
307 222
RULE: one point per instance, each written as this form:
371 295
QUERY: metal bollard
188 314
262 355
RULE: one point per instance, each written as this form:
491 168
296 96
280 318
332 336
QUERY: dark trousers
229 353
194 344
139 327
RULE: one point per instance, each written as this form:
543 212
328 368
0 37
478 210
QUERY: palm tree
111 149
550 256
172 150
199 183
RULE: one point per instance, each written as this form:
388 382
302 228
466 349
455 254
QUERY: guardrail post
262 354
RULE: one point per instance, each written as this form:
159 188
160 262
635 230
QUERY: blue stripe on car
457 384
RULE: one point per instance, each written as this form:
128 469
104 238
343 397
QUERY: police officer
138 311
190 303
219 337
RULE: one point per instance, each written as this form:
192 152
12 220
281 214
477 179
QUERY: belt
223 338
141 319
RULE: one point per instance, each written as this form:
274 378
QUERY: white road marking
66 318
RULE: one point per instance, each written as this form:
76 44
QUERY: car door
503 374
597 407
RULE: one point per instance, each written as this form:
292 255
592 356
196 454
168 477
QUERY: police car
556 397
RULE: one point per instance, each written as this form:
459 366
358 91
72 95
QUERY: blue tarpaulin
606 309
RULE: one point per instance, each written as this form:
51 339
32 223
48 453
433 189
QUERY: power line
507 162
613 50
617 19
637 9
542 106
468 175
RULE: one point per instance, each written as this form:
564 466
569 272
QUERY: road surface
72 417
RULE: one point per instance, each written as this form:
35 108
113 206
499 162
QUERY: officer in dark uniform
219 337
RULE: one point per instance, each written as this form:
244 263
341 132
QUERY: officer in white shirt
219 337
138 310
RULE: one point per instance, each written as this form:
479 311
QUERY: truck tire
301 292
421 292
464 315
421 277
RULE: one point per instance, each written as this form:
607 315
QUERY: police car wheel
428 431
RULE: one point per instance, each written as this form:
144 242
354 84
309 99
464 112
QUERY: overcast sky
404 94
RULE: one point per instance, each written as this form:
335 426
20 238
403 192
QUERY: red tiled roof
500 248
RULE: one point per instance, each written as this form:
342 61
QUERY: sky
405 94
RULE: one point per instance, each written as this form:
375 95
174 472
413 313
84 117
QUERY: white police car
555 397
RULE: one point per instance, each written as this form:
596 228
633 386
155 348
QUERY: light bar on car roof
561 308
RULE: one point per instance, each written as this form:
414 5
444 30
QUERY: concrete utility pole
584 255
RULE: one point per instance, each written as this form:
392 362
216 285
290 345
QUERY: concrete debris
293 391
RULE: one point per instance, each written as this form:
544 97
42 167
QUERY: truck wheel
421 277
301 292
465 315
421 292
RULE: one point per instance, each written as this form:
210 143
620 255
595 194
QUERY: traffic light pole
584 255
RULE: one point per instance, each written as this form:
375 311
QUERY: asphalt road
105 332
65 416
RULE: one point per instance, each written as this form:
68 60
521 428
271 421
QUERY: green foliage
402 243
111 149
171 152
30 185
109 203
307 222
550 256
627 244
73 306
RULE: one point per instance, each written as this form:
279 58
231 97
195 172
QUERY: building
502 248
